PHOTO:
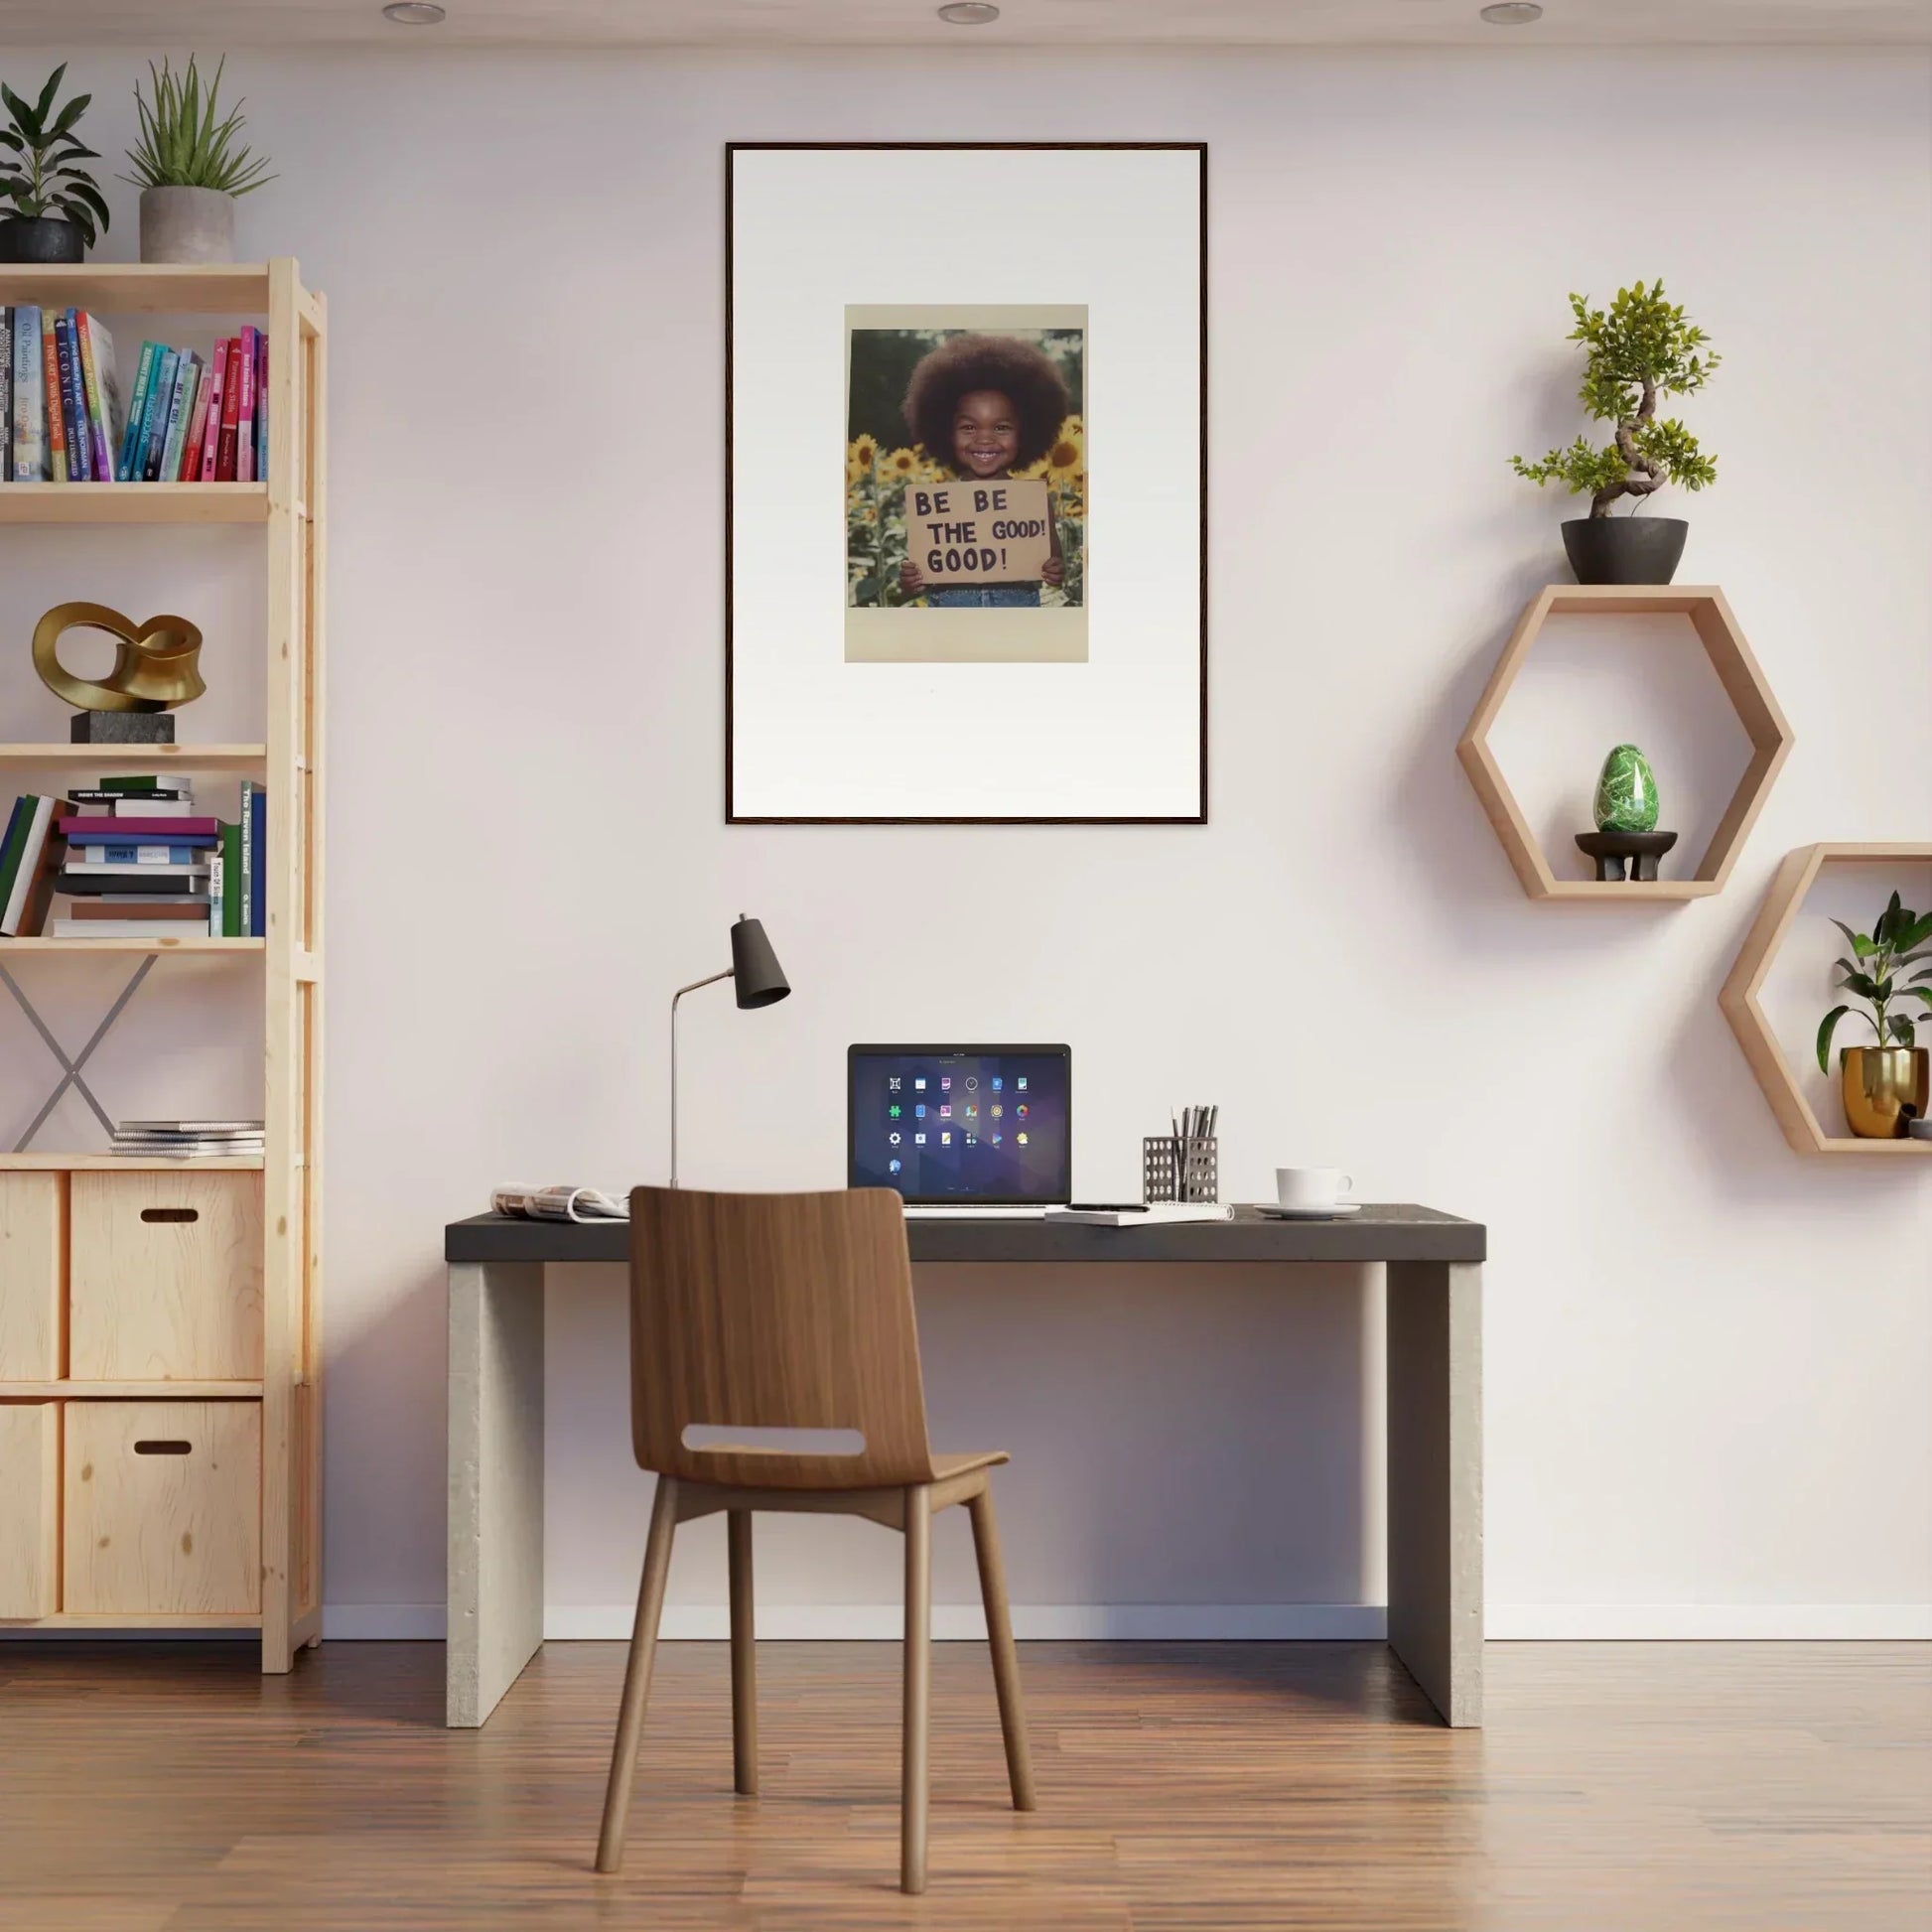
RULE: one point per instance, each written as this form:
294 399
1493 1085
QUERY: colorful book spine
217 385
244 459
17 822
231 416
33 880
177 852
29 444
155 429
137 406
190 467
6 394
56 421
261 407
153 830
258 864
104 391
248 856
225 882
73 407
179 411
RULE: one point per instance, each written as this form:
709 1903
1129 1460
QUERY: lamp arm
675 998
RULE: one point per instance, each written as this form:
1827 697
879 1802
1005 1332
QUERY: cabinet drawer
165 1278
30 1463
33 1242
162 1506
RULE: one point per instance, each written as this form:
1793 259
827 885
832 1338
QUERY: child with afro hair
985 406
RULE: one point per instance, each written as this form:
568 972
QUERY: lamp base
122 728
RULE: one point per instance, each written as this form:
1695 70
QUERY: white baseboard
1708 1622
1197 1622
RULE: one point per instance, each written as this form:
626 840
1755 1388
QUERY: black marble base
122 728
1613 850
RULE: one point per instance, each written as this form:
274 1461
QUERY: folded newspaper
558 1204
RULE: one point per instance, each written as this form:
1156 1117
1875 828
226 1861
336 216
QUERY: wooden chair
772 1312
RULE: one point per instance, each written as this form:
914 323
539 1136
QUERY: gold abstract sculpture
155 663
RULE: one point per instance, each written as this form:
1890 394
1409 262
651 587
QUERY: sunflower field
880 465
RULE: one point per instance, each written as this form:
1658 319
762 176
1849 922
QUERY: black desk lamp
759 981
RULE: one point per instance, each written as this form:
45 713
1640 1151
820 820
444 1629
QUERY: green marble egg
1627 793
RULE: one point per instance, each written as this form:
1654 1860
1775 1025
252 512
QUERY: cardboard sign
999 531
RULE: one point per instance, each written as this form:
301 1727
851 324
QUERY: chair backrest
775 1312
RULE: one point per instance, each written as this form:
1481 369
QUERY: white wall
1705 1358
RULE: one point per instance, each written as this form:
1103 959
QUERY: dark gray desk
1435 1405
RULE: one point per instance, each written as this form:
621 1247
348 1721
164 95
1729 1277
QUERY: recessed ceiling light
969 13
414 13
1512 13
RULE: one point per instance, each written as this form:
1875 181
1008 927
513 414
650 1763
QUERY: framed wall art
966 482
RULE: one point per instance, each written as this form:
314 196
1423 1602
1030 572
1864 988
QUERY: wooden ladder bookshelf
286 1388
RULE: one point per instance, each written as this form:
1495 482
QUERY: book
101 795
154 831
17 822
74 414
244 467
102 881
229 860
217 384
255 849
199 1129
160 396
33 880
56 429
231 416
134 782
86 857
137 408
104 392
142 906
30 418
6 394
179 408
1161 1215
190 466
138 929
261 407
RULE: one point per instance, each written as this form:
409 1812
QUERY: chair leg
637 1675
1006 1660
744 1678
918 1688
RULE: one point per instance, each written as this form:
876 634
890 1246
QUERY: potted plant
1884 1086
1639 352
188 168
56 208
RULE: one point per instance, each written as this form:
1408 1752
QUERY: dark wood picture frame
732 150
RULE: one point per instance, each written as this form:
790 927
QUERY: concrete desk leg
496 1566
1434 1347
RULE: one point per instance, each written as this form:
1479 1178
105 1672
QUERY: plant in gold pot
1886 1085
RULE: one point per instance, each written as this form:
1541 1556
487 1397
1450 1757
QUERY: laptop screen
990 1125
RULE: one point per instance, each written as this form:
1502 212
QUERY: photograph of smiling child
966 469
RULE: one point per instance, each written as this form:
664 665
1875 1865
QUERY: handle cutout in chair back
152 1446
747 1440
171 1213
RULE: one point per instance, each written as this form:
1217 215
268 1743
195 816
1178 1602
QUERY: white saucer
1268 1211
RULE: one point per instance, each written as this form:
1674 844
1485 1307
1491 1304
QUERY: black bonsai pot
1624 549
40 238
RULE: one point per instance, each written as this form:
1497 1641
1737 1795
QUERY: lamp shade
756 977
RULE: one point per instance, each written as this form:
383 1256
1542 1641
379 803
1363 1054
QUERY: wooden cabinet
164 1277
33 1234
162 1508
30 1464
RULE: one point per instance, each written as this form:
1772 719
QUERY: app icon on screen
894 1139
945 1112
945 1083
918 1083
892 1167
1020 1112
972 1080
891 1084
945 1139
996 1140
997 1110
1020 1084
893 1112
1020 1138
998 1083
918 1139
918 1111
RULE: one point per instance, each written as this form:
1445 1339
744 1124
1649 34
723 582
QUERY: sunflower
1033 473
861 454
1067 458
898 467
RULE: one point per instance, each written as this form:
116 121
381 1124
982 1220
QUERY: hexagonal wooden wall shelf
1738 999
1744 683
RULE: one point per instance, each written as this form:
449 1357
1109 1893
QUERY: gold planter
1883 1089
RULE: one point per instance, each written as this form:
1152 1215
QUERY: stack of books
136 861
188 418
188 1140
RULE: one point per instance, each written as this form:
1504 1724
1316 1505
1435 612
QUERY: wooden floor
1617 1787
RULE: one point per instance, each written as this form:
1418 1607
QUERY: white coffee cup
1311 1187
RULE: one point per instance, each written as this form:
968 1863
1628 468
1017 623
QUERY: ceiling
688 23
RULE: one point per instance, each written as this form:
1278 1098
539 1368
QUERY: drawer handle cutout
171 1213
153 1448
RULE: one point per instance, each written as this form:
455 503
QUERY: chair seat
944 1467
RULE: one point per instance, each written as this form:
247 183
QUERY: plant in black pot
54 209
1639 352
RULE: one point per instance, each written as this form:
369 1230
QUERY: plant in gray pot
49 208
1639 352
189 167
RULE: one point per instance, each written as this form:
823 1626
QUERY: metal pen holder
1176 1169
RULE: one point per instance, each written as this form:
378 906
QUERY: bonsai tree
38 150
1897 940
1642 349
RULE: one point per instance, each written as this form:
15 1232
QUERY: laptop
962 1131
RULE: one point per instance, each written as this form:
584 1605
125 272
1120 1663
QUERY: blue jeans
985 596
